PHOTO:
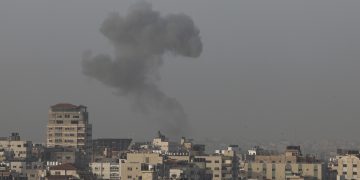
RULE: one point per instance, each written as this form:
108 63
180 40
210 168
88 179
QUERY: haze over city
268 70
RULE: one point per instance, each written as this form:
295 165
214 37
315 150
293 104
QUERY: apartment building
145 157
224 164
15 147
68 126
109 170
346 165
289 165
163 144
63 171
109 148
188 171
28 170
123 169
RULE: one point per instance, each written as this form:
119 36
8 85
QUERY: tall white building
69 126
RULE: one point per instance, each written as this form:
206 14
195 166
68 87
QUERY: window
59 122
114 168
216 161
129 169
354 165
216 175
67 116
57 172
344 165
354 173
74 122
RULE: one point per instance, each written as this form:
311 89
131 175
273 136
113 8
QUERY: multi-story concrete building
290 165
109 148
28 170
19 149
106 170
60 155
224 164
123 169
346 165
163 144
69 126
63 171
188 171
145 157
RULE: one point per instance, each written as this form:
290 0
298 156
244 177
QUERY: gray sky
268 70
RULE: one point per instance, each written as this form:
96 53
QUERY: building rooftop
67 107
347 152
67 166
60 177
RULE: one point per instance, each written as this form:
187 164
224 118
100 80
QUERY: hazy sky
268 70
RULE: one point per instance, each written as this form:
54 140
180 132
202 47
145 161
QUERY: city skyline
275 68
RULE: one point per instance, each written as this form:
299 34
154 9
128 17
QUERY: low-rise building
289 165
21 150
109 170
65 171
163 144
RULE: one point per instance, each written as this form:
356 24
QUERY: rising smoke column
140 39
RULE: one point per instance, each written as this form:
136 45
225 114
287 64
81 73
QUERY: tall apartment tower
69 126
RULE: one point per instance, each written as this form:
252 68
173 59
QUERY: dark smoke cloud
141 38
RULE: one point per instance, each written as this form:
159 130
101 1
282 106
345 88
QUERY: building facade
15 147
289 165
106 170
224 164
347 165
68 126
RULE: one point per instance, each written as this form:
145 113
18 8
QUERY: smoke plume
141 38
